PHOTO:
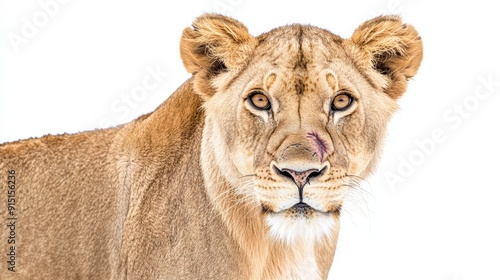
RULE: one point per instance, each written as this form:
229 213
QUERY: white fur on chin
290 228
301 233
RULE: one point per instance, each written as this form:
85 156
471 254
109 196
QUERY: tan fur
191 190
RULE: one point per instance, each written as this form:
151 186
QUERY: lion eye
260 101
341 102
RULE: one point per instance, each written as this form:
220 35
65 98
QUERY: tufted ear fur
213 45
391 48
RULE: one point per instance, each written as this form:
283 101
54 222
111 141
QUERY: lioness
240 174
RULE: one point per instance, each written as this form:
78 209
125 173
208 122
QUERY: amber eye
341 102
259 101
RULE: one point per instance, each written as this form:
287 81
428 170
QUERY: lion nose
300 178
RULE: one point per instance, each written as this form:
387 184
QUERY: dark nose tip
300 178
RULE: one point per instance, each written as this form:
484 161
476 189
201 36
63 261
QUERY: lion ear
391 48
215 44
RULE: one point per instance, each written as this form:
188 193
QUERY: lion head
296 116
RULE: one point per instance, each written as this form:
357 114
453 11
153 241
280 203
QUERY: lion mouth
301 205
300 208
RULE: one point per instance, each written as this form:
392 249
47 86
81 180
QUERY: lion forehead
296 46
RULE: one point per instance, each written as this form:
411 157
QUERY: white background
432 210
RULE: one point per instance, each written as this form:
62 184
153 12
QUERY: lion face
296 116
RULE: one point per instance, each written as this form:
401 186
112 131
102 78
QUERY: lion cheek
243 162
358 163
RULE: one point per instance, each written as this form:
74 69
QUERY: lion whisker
356 200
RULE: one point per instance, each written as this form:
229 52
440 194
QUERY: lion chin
300 223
